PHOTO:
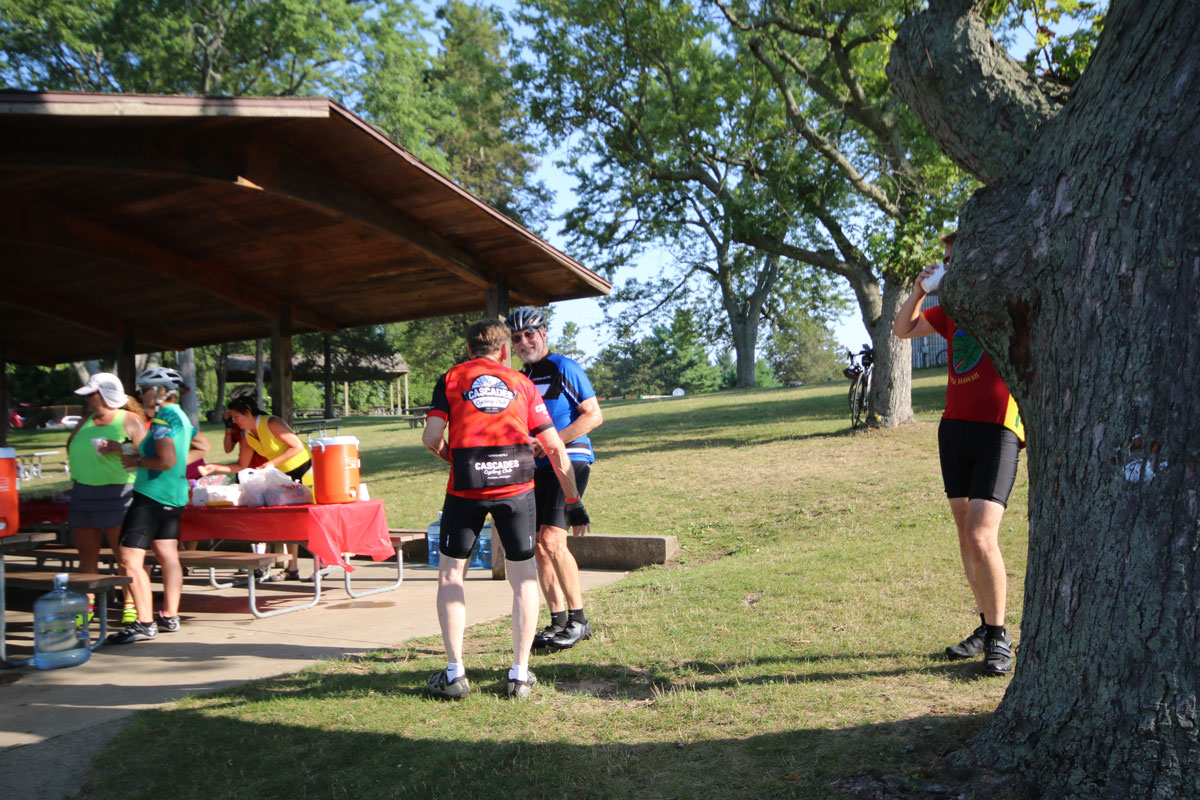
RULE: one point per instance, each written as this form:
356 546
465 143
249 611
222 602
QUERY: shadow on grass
388 740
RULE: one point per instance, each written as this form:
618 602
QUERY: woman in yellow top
270 437
103 488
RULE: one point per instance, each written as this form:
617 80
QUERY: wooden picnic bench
32 465
43 581
212 560
319 426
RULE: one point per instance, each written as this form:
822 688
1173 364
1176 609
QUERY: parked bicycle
859 372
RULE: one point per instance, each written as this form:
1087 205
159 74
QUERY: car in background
69 421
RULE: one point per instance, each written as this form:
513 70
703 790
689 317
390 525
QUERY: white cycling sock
454 670
518 672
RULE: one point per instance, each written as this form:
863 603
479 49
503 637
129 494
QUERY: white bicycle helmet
160 376
524 318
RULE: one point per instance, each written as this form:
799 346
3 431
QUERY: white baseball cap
109 386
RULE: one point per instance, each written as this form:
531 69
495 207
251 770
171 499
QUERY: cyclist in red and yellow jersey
979 439
490 415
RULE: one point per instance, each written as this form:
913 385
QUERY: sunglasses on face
528 333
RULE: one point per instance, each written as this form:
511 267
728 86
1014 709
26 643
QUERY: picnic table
30 465
319 426
415 417
327 530
44 581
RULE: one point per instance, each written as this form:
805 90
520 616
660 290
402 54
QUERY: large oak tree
1078 269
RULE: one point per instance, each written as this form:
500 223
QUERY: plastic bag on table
253 482
215 479
199 496
297 494
223 495
273 477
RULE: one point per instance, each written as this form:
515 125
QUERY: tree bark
222 379
890 401
1078 270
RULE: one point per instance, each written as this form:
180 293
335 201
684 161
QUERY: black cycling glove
577 514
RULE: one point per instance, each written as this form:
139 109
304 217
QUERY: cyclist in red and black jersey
979 438
490 415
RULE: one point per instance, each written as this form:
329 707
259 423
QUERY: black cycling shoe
997 659
970 646
542 639
573 634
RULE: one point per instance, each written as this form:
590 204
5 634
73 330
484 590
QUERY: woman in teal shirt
160 492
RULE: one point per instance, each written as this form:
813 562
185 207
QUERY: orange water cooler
335 469
8 491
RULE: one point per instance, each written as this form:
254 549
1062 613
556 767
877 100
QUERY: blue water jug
481 556
60 636
433 536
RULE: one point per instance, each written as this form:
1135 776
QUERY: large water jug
433 536
60 636
481 556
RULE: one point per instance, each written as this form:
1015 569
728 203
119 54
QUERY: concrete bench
43 581
594 551
607 551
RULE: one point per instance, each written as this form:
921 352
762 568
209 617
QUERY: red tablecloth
35 511
326 530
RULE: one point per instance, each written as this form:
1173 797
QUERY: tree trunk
189 400
258 373
891 383
1079 272
222 379
745 337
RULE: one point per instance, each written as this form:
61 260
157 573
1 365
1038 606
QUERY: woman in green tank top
103 488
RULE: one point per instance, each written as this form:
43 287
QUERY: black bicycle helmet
160 376
524 318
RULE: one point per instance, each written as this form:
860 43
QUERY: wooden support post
495 303
281 364
127 359
495 300
497 556
327 345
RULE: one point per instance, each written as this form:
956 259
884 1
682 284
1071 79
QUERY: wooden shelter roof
151 223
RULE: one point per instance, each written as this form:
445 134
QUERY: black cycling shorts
147 521
979 460
551 502
513 520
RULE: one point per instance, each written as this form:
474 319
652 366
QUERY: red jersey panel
491 413
975 391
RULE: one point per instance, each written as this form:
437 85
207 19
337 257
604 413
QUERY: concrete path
52 723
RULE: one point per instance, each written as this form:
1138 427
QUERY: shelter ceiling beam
277 168
86 319
46 225
264 164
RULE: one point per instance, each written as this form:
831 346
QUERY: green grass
796 642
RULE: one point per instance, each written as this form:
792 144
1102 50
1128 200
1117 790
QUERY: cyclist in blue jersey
572 404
